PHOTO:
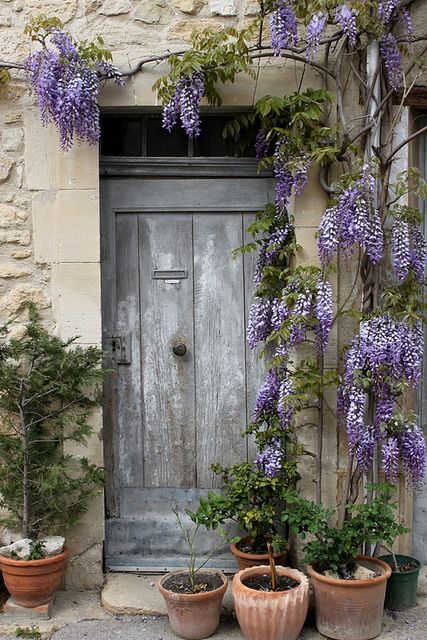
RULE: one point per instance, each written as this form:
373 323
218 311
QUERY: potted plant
254 501
270 602
401 592
349 589
193 596
47 389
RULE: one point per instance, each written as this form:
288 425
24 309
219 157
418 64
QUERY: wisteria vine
64 78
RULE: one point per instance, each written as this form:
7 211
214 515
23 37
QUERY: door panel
165 243
219 343
169 277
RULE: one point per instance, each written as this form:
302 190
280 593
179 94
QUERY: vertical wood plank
168 380
219 344
129 399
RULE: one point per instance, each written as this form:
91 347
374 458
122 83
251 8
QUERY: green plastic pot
401 590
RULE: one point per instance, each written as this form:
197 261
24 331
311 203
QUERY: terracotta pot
32 583
246 560
194 615
350 609
270 615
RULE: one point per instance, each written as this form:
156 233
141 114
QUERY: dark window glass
143 135
161 143
211 142
121 136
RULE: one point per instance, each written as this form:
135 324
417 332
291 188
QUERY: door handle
179 349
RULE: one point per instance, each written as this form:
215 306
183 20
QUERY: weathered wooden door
175 305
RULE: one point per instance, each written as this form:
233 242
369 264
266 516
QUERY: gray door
170 285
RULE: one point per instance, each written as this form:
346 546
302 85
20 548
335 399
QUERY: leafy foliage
336 548
48 389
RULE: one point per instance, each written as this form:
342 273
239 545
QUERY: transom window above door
142 135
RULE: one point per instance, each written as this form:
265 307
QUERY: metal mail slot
172 274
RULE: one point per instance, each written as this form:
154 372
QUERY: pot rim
282 571
202 595
257 556
401 555
354 583
35 563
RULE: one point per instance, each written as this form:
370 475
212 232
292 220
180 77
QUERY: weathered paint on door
169 278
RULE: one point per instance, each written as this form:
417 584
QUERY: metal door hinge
119 348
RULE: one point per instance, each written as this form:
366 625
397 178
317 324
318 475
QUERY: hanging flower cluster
352 219
346 19
392 60
67 87
185 105
269 461
283 26
409 250
315 29
271 400
290 173
386 353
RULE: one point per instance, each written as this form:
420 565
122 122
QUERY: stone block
6 165
21 255
45 227
252 8
307 255
13 117
112 95
76 294
150 12
12 610
20 295
115 7
89 531
12 139
15 237
10 217
85 572
222 7
183 29
308 208
65 10
10 272
188 6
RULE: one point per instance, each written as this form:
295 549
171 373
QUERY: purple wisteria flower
270 250
111 72
67 88
259 322
284 411
284 181
406 21
352 219
386 9
409 250
315 29
390 458
387 352
185 105
347 21
269 460
413 451
267 397
323 312
392 60
283 27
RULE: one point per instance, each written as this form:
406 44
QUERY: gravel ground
406 625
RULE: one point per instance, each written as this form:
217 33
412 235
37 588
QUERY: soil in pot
402 585
263 583
181 583
247 555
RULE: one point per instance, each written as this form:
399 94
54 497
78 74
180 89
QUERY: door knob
179 349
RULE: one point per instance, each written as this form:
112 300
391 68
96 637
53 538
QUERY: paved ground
409 625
